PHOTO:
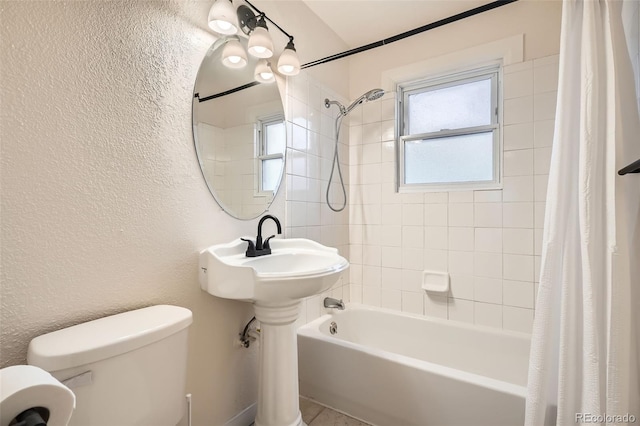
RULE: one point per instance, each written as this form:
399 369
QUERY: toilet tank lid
106 337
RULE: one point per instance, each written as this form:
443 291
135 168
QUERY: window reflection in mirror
271 141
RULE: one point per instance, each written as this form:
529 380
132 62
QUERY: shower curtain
584 354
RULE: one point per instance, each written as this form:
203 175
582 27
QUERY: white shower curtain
584 354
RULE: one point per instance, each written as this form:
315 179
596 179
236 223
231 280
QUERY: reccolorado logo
605 418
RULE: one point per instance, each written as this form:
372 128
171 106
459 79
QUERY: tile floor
316 415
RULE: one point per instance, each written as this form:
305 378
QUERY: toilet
125 370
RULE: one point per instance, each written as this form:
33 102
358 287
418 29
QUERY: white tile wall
488 241
309 154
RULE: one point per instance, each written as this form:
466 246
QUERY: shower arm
328 103
371 95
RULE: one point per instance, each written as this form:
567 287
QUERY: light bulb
259 49
263 72
223 25
286 69
222 17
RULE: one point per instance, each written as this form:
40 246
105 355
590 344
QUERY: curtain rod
261 13
384 42
631 168
415 31
226 92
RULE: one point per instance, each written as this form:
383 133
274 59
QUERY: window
271 145
449 132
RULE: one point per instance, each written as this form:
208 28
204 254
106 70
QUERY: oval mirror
239 133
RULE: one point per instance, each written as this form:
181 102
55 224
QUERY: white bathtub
391 369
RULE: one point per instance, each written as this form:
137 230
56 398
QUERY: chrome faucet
260 248
330 302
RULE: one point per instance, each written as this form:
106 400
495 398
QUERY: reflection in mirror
240 136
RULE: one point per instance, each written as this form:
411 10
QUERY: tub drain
333 327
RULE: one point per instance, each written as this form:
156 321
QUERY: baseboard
244 418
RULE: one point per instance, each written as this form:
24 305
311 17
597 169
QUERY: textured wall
104 208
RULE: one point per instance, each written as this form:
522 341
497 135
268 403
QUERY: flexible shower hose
336 160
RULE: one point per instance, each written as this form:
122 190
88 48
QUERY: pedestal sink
275 284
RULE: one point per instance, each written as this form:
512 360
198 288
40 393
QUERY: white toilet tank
126 369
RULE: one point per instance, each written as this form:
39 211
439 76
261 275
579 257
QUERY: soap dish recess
435 281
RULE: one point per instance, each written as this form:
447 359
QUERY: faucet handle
265 245
251 248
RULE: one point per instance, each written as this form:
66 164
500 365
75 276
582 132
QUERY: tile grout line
316 416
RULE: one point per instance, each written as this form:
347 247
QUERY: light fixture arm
262 14
290 45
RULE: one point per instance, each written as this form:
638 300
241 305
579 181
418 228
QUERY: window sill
450 187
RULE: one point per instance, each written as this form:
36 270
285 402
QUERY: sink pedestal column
278 366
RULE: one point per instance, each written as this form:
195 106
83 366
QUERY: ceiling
359 22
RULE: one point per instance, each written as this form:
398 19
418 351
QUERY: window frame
404 90
261 143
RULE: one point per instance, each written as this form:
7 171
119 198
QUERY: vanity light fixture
260 45
223 18
264 73
233 54
289 63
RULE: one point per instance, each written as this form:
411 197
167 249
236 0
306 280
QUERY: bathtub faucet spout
330 302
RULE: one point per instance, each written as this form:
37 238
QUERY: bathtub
391 369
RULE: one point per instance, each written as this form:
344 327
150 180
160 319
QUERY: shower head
374 94
371 95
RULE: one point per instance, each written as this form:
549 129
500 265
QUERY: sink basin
295 269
